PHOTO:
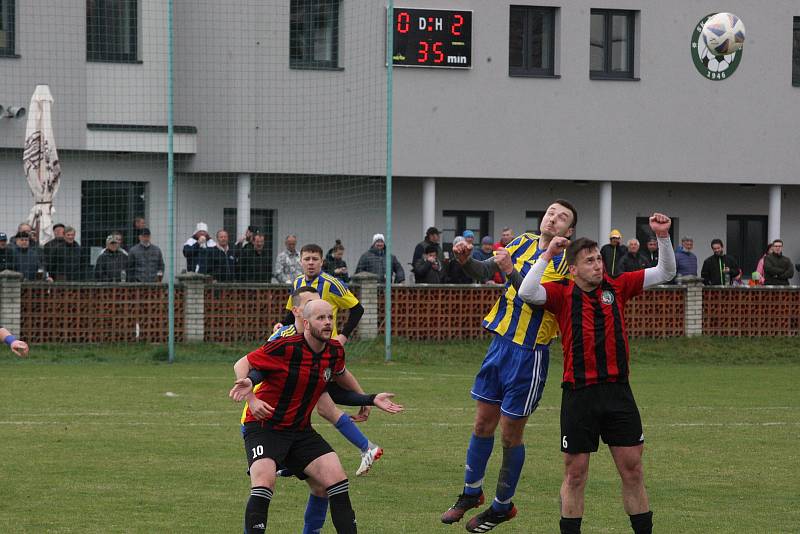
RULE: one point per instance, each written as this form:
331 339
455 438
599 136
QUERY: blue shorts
513 377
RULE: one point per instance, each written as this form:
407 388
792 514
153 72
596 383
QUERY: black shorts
603 410
292 449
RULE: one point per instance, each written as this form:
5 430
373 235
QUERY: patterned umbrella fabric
40 161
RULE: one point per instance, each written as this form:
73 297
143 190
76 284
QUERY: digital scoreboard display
432 38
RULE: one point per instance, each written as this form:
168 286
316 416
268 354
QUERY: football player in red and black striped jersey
597 401
298 368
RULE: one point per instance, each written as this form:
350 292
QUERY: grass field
91 443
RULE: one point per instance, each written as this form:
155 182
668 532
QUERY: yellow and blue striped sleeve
337 294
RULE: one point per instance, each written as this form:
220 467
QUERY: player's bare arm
243 390
18 347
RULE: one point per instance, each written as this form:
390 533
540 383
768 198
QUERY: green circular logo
713 67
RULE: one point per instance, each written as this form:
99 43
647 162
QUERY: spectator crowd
249 259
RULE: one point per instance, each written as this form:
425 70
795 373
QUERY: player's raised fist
503 260
462 251
660 224
557 245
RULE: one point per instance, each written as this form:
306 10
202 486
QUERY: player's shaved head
316 307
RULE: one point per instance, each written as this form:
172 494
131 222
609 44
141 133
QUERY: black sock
342 514
570 525
255 515
642 523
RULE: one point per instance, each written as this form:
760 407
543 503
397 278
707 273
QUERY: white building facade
281 112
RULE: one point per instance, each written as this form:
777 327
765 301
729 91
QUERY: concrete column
428 203
774 229
605 213
194 295
242 206
368 326
11 301
693 311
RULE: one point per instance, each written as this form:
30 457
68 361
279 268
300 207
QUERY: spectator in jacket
23 228
334 265
613 252
64 258
720 268
374 261
28 258
112 262
220 262
685 260
195 246
632 260
760 266
484 252
146 263
454 273
6 254
778 269
287 264
651 254
432 237
254 262
428 269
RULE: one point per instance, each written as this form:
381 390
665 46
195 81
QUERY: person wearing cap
287 264
469 236
685 259
374 261
27 257
195 245
145 260
613 252
432 237
22 228
428 269
112 262
6 254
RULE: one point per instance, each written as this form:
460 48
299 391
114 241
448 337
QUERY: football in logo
327 374
607 297
714 64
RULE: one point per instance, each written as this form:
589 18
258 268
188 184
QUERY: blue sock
350 431
513 460
478 454
316 510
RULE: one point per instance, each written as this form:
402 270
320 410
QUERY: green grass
91 444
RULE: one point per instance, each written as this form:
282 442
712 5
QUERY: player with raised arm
511 380
597 401
298 368
18 347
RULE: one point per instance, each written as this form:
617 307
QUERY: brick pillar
194 304
694 309
368 326
11 301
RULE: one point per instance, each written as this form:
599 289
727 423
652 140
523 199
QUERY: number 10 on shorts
259 450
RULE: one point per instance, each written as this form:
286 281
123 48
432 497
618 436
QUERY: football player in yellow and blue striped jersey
511 380
330 289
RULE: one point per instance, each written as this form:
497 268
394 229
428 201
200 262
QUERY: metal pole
170 187
388 287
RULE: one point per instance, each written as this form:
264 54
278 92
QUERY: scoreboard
432 38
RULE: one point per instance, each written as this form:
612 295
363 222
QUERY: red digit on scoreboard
455 28
403 22
423 52
438 56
